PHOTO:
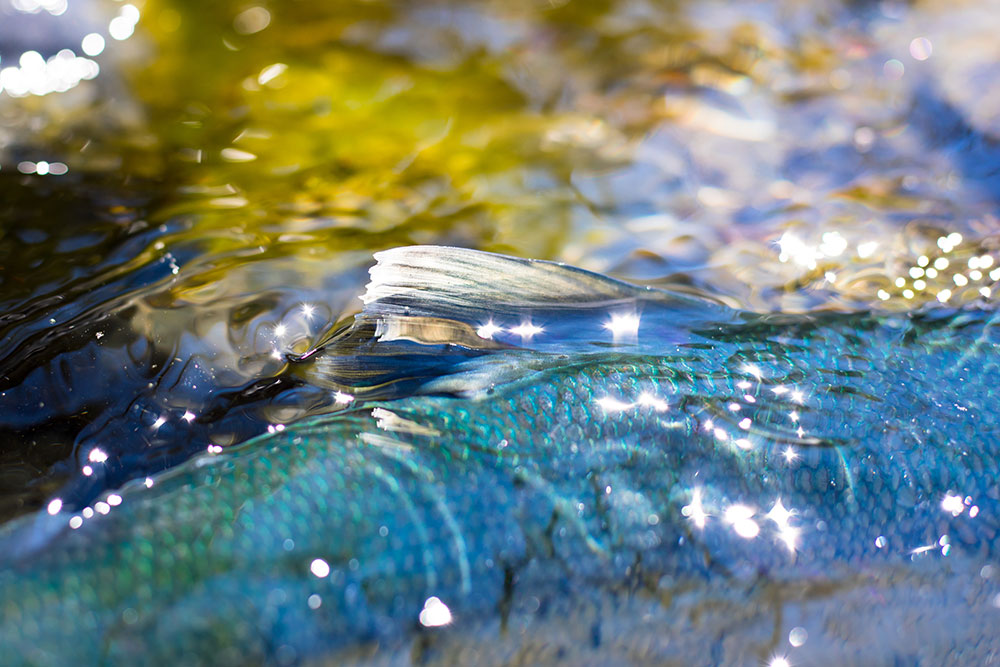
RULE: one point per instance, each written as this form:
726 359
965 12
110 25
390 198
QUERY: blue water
177 228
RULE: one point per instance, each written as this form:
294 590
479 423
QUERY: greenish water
205 207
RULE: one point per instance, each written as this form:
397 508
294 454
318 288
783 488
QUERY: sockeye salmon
539 464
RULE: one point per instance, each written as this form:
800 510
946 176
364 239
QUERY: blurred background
191 190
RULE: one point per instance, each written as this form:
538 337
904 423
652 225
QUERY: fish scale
562 486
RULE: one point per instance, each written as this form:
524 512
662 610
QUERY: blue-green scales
573 470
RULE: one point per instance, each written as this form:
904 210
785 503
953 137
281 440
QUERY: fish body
574 472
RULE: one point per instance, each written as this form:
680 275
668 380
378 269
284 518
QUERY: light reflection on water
192 194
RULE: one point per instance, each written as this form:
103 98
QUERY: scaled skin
746 462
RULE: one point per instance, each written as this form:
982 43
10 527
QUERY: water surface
190 205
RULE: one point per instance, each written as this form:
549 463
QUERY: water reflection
191 197
40 42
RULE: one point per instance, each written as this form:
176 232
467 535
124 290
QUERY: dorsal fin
458 283
429 309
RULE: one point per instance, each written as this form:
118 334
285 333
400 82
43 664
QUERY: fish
534 463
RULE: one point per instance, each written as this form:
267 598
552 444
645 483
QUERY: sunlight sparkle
695 512
488 330
527 330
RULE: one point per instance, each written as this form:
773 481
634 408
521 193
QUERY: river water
190 193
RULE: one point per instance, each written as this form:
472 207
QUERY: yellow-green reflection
630 141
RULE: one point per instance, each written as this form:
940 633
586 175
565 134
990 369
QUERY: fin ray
455 283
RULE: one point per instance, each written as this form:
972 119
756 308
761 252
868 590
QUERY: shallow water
175 225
